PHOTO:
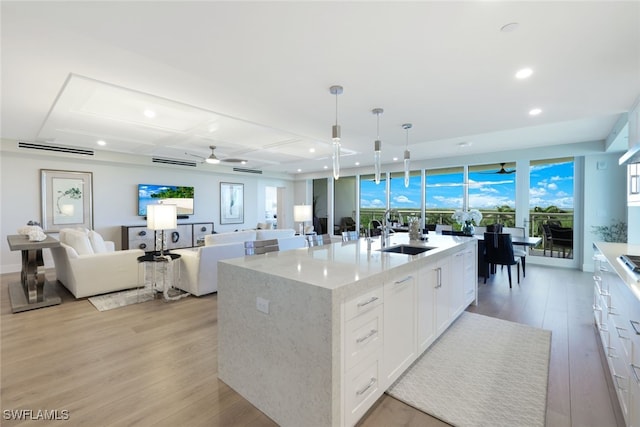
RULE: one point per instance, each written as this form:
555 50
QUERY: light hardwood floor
154 364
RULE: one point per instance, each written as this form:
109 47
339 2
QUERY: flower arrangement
467 217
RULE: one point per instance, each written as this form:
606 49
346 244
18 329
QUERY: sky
550 185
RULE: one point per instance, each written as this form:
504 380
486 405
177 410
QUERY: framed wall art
231 203
67 199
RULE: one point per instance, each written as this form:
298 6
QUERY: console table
33 291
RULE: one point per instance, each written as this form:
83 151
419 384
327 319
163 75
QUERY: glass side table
160 274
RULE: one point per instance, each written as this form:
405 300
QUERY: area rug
121 299
481 372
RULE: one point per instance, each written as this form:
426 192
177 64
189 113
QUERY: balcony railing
489 216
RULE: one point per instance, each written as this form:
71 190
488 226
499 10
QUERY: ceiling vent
56 148
247 170
174 162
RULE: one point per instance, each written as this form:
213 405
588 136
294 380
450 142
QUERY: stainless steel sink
406 249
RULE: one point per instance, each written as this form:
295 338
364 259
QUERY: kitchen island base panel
277 358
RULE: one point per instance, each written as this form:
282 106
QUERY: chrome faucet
385 226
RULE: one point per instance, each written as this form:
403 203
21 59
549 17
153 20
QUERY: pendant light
407 155
377 145
335 135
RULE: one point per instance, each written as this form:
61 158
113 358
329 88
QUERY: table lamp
301 214
162 217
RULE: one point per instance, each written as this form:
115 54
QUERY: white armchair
87 265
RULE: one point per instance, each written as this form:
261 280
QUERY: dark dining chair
562 238
499 251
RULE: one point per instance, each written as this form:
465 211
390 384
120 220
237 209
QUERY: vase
468 229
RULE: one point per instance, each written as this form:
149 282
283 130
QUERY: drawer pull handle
605 293
597 307
634 369
367 387
367 302
618 329
399 282
613 356
611 312
604 328
366 337
619 377
636 326
603 268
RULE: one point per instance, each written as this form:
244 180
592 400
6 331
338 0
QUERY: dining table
516 240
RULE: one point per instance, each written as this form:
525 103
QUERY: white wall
604 198
115 192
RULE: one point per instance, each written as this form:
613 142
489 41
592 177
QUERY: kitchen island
314 336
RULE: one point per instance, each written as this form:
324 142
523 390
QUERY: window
492 190
444 194
551 204
406 200
373 200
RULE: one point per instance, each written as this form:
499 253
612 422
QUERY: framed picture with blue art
231 203
67 199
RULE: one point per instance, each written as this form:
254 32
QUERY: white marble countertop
612 252
338 264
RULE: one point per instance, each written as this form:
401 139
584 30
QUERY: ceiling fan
503 171
214 160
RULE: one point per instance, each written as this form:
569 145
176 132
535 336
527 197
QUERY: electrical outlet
262 305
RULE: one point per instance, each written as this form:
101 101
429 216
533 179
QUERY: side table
33 291
165 274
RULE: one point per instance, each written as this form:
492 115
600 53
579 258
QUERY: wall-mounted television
181 196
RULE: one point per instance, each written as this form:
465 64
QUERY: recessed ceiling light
535 112
357 163
326 167
510 27
395 159
101 142
244 162
524 73
312 150
299 170
464 144
149 113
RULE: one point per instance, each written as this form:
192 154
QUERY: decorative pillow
79 241
97 242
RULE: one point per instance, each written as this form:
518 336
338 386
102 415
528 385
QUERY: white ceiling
253 78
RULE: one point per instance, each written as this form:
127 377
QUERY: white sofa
199 272
87 265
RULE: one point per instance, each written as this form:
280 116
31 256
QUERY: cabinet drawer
362 388
181 237
363 336
141 238
363 303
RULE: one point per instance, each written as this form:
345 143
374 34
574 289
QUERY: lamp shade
162 217
302 213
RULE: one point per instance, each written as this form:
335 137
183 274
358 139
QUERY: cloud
375 203
552 186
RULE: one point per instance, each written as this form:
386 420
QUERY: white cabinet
400 348
386 328
442 301
428 280
363 333
617 317
458 286
184 236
